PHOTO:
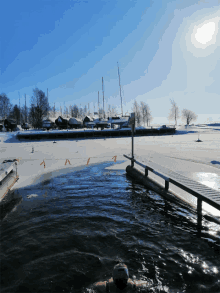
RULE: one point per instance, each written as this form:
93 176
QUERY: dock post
199 214
166 185
146 172
132 124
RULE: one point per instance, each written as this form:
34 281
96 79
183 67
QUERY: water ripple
78 226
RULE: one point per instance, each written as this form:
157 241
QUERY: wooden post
166 185
132 146
146 171
199 214
132 124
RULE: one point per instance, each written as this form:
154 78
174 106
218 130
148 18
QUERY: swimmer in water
120 282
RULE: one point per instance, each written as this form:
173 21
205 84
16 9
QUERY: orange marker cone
43 163
114 158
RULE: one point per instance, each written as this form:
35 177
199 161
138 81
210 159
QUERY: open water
69 232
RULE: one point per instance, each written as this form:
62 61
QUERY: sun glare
205 33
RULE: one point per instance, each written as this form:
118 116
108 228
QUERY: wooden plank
208 200
207 192
200 188
211 195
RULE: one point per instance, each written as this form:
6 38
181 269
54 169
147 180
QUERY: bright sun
205 33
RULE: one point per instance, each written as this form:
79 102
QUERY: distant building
48 123
62 123
75 123
86 120
117 121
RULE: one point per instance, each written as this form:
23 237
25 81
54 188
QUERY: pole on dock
132 123
199 214
166 185
16 164
132 145
146 172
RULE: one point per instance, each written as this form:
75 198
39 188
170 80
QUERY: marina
58 134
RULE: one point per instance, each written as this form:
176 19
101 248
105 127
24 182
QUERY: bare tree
146 113
85 111
15 114
174 112
137 110
112 111
39 107
53 112
188 115
74 111
81 113
66 112
5 106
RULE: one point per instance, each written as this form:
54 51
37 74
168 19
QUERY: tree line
143 114
40 109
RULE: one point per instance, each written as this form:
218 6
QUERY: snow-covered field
179 152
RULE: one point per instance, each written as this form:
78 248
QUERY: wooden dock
8 177
200 191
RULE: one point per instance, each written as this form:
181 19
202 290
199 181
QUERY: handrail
149 168
215 202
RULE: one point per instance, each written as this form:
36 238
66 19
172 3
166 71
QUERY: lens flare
205 33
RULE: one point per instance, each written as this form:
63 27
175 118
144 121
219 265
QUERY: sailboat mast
103 98
25 110
120 90
98 105
19 109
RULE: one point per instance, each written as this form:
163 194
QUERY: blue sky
165 49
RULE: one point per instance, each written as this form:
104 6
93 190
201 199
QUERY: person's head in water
120 275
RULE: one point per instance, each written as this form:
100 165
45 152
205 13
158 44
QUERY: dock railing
202 192
167 179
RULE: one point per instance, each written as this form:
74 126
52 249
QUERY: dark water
76 227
